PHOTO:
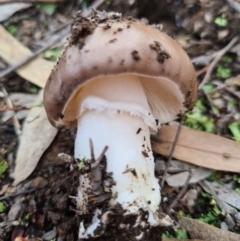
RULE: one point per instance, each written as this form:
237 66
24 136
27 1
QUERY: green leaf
208 87
235 129
181 234
223 72
48 8
2 208
3 167
52 54
80 165
208 218
221 22
12 29
237 190
236 178
198 121
26 217
33 89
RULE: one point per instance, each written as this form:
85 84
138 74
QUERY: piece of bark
13 52
199 148
200 230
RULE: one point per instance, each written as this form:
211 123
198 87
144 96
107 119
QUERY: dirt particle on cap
119 29
135 55
110 60
128 26
161 53
112 40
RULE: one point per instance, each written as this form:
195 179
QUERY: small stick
180 194
96 162
216 60
16 108
11 69
91 149
171 153
16 124
17 194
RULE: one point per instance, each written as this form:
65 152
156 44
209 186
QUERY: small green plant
80 165
26 217
235 129
221 21
12 29
3 167
223 72
52 54
48 8
2 208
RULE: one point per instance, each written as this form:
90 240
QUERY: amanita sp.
118 80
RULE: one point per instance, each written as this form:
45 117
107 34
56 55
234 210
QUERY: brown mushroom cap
117 46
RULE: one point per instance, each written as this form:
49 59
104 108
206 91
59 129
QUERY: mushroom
118 80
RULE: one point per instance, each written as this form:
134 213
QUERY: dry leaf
7 10
200 148
179 179
227 199
36 71
36 137
200 230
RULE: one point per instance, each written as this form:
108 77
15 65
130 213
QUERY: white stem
129 148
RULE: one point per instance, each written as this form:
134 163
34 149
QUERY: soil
45 203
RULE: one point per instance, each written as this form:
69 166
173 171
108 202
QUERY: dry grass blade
200 148
200 230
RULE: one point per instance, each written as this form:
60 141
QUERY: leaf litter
228 97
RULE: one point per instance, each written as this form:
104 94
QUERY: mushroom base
123 184
115 226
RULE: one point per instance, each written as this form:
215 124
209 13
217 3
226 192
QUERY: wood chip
199 148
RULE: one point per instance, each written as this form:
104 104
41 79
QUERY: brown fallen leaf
199 148
36 137
12 51
206 232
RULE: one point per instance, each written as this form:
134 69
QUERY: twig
16 124
180 194
203 70
17 194
16 108
91 149
216 60
171 153
210 103
49 44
